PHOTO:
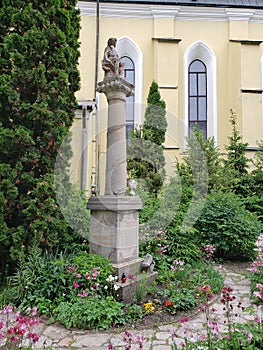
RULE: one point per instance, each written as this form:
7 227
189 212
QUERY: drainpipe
87 108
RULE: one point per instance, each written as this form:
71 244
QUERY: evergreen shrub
39 48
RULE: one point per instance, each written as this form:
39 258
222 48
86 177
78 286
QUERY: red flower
169 303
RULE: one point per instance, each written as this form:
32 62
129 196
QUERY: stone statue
111 63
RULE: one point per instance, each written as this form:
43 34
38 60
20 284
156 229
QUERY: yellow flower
149 308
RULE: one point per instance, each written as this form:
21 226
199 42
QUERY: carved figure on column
111 62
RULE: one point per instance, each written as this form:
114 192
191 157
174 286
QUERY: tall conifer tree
145 152
39 53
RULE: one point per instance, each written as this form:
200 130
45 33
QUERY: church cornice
198 13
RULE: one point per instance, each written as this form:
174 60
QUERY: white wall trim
127 47
201 51
190 13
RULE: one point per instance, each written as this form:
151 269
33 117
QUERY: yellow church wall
250 67
252 118
238 29
164 40
75 169
163 27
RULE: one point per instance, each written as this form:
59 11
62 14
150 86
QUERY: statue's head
112 42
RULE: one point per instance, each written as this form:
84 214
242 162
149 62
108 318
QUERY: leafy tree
39 55
145 150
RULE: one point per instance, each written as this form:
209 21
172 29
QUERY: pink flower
253 269
71 268
84 294
75 285
33 336
259 286
249 336
202 337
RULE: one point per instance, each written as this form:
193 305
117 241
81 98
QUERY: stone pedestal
114 227
114 234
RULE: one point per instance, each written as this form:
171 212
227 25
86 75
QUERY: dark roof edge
181 3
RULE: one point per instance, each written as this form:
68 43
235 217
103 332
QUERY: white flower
106 287
116 287
110 279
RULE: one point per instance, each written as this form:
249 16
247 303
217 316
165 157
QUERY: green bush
91 313
46 280
228 226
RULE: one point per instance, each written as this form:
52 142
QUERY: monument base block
114 234
114 228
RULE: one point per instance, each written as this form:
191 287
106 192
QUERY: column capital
115 88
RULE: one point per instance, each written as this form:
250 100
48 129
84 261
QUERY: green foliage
145 151
133 313
91 313
228 226
251 186
155 123
183 299
182 243
236 158
236 163
39 51
196 161
150 205
45 280
182 282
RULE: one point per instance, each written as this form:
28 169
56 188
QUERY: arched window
197 96
129 74
128 50
200 73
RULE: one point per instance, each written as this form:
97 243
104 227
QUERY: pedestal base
114 234
114 227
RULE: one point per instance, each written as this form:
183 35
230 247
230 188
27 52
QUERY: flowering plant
16 329
153 241
129 340
149 307
208 252
256 270
232 336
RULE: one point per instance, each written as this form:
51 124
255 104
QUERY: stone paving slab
156 339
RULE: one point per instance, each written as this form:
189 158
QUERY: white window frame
201 51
